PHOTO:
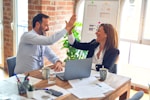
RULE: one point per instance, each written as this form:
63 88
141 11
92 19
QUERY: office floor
4 75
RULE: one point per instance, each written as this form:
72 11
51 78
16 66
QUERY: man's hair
38 18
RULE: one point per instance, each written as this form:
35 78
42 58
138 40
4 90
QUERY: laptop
76 69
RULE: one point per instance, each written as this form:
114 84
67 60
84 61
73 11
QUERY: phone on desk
54 92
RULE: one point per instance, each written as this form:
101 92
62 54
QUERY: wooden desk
121 85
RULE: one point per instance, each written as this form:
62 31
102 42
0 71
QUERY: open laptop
76 69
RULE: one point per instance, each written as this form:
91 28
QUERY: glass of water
52 77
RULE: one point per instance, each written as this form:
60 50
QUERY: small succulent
30 87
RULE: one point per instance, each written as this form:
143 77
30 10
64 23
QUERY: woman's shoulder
114 50
93 41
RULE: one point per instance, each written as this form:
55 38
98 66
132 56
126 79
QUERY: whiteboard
96 12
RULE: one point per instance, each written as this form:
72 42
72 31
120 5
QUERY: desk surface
121 85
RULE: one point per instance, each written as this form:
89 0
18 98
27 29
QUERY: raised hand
70 24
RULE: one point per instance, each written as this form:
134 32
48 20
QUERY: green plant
30 87
73 53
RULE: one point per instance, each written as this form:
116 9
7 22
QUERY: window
20 20
134 34
80 10
146 30
130 16
135 38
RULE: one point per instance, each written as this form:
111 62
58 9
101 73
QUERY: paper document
8 88
89 88
13 97
39 94
93 91
9 85
83 82
104 87
95 73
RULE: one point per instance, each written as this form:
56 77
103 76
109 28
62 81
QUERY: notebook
76 69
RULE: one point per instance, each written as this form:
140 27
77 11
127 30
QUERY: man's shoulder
31 32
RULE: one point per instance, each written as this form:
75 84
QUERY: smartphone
54 92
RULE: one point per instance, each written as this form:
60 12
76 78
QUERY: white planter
30 94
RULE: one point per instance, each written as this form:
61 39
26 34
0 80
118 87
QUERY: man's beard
41 32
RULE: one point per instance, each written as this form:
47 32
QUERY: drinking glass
52 77
45 73
103 74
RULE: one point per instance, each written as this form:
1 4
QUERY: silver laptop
76 69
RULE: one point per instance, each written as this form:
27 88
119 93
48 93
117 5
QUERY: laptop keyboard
61 74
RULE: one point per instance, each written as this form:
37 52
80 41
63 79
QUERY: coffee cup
103 73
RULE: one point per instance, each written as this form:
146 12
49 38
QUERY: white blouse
97 60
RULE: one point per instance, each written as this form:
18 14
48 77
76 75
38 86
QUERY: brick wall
8 33
58 10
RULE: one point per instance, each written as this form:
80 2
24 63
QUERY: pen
41 89
26 77
17 78
98 85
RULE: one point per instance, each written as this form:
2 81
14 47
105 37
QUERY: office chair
137 96
11 63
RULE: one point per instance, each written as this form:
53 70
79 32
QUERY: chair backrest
137 96
11 63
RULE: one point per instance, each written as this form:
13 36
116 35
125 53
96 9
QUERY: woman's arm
110 58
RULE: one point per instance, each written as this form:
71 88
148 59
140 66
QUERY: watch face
131 1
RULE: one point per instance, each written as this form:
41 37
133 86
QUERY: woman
103 49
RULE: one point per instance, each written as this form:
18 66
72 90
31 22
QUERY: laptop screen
76 69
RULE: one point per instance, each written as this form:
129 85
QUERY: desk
121 85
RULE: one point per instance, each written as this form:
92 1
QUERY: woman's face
101 35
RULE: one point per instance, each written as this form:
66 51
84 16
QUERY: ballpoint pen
17 78
98 85
26 77
41 89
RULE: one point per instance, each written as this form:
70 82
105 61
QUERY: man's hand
70 24
58 66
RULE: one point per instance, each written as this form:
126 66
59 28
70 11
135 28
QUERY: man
33 45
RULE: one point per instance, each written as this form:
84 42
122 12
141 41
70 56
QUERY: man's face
44 26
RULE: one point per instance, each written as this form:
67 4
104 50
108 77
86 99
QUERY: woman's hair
112 36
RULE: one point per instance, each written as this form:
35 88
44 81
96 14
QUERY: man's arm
51 56
33 38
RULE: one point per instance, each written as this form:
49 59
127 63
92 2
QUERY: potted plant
30 91
73 53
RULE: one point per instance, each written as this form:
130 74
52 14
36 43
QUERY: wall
58 10
8 33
